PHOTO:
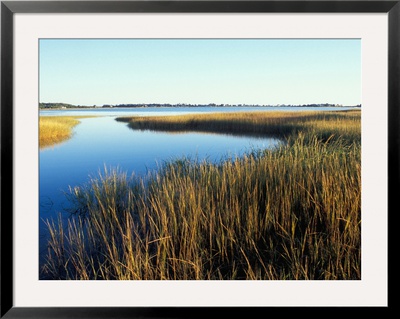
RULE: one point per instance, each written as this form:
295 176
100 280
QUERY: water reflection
101 141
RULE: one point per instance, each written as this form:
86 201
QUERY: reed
292 213
256 123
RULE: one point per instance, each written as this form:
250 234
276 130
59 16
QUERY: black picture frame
9 8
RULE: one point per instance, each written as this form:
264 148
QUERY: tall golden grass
257 123
292 213
55 129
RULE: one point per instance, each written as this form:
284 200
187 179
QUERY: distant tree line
56 105
66 105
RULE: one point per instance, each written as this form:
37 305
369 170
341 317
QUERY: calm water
100 142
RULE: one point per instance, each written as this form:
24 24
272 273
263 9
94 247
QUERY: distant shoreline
191 106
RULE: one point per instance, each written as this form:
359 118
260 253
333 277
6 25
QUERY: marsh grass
292 213
56 129
257 123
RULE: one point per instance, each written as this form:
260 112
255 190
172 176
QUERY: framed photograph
170 159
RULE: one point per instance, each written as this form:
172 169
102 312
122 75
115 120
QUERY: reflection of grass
288 213
279 124
56 129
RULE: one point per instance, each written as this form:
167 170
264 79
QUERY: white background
370 291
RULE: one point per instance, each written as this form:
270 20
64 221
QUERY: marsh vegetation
257 123
55 129
291 213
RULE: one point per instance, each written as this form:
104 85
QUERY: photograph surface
199 159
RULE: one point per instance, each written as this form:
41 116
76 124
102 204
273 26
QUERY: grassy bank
55 129
290 213
278 124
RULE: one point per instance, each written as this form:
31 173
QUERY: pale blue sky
200 71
